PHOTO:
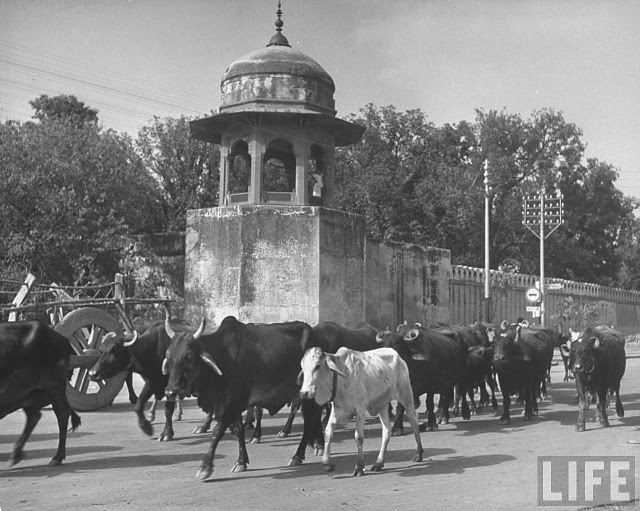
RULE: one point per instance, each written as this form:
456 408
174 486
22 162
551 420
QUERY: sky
135 59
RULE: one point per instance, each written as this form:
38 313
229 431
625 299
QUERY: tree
70 194
422 184
63 108
185 168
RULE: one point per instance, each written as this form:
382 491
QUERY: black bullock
238 366
143 354
436 364
599 362
521 359
34 370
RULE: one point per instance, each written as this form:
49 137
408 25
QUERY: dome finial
278 39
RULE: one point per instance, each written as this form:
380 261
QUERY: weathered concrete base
274 263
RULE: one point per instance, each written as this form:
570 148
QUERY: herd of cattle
346 372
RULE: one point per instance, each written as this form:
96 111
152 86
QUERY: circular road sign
533 294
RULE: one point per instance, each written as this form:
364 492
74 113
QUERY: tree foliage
424 184
186 169
71 194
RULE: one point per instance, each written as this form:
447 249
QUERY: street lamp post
487 289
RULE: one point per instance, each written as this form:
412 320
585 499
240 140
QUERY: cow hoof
428 427
151 417
165 437
203 473
178 417
147 428
397 432
295 462
319 451
55 463
377 467
580 427
417 458
255 440
239 467
329 468
133 400
358 472
16 458
282 434
199 430
504 421
528 417
466 416
604 424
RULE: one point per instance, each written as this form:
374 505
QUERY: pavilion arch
279 167
239 167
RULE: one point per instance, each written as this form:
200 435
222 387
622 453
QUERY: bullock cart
85 315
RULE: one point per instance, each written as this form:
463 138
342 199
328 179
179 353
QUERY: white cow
359 382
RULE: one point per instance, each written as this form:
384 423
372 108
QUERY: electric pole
539 212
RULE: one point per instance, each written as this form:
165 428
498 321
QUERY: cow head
585 351
318 376
506 349
479 356
115 356
186 358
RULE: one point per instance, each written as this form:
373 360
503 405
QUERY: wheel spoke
95 336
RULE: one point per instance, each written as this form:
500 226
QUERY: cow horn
167 326
300 379
200 330
165 366
418 325
565 350
208 359
413 333
525 323
132 341
504 325
596 343
109 336
379 336
400 326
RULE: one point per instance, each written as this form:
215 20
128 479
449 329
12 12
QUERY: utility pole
539 211
487 205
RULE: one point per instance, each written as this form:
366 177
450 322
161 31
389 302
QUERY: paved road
474 464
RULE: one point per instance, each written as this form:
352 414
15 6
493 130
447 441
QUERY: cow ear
379 337
208 359
332 365
565 349
596 342
491 334
300 379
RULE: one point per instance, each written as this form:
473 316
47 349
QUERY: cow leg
151 412
385 421
228 419
206 424
62 410
359 436
144 396
311 414
286 429
491 381
178 409
328 439
530 400
319 441
167 432
601 407
466 412
456 402
582 401
398 425
257 432
472 403
133 399
506 399
412 415
243 457
33 416
443 405
431 424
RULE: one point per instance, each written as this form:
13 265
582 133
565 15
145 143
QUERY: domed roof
277 78
277 59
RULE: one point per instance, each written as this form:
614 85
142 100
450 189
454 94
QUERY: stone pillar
301 151
225 169
256 150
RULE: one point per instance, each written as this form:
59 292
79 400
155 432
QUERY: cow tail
75 421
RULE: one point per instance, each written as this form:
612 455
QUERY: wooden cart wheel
85 328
